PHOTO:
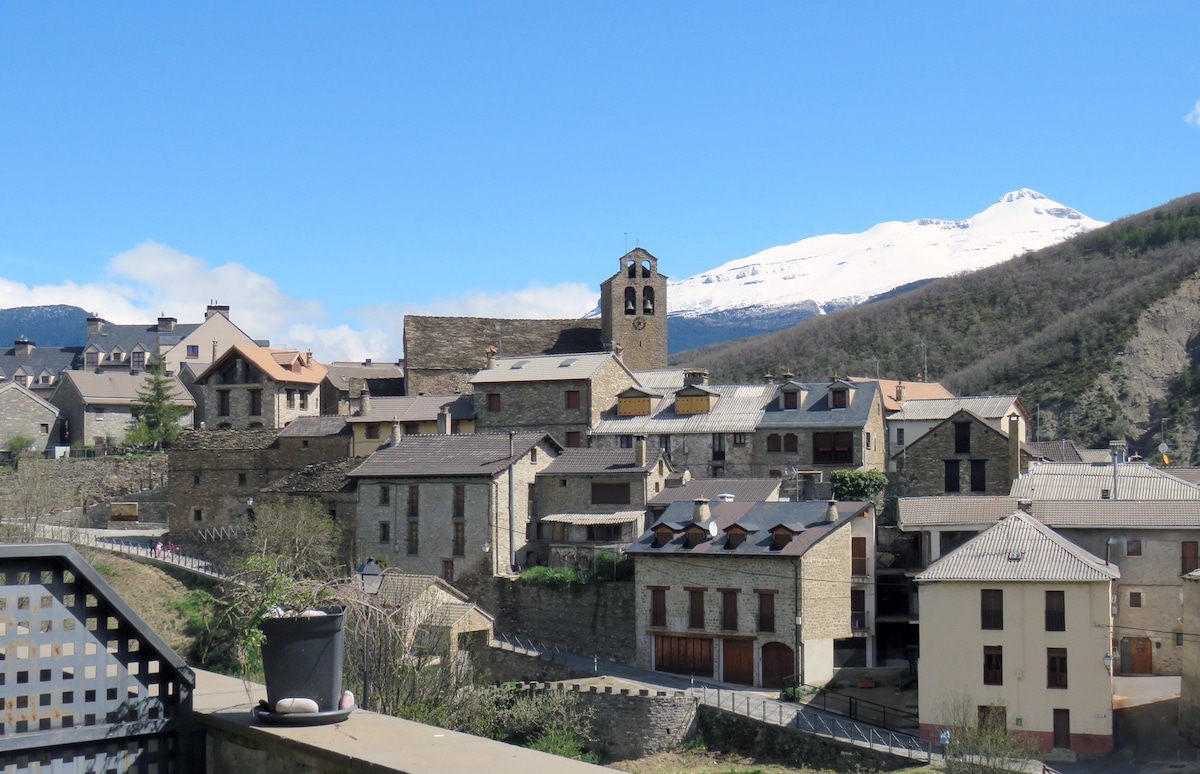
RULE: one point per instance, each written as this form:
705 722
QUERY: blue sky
325 168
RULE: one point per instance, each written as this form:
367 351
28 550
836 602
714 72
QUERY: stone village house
23 413
252 387
414 415
96 405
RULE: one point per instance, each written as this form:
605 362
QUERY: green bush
555 577
857 485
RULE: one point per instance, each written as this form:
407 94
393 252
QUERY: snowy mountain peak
837 270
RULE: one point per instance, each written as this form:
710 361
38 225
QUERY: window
978 475
718 447
414 501
1056 611
448 570
459 548
193 351
137 361
625 441
460 501
195 479
371 431
572 398
735 535
658 607
833 448
791 443
899 436
241 479
838 398
291 399
991 609
493 401
223 403
729 610
866 440
256 403
303 399
858 556
1135 599
385 494
953 484
1178 639
962 437
574 439
774 443
1056 667
604 533
385 532
695 608
100 418
91 360
197 515
44 429
1190 558
993 665
610 494
414 538
766 611
858 610
791 399
1133 548
739 439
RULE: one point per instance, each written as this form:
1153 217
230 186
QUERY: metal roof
965 511
476 454
937 409
815 410
1083 481
585 519
738 410
544 368
1019 548
416 408
119 388
755 490
581 460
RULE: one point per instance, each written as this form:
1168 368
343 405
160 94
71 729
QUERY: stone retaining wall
71 483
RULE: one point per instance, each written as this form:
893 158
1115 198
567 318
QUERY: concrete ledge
365 742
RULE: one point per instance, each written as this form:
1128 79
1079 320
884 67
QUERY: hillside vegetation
1049 326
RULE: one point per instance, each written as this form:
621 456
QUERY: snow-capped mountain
838 270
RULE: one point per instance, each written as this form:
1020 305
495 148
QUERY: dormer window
780 537
839 398
117 356
663 535
137 360
791 399
734 536
694 535
91 359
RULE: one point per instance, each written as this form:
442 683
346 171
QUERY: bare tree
977 738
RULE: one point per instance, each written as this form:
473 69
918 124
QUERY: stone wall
921 470
20 414
71 483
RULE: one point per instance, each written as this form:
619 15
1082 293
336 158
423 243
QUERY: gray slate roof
574 461
340 373
318 478
743 490
224 440
1083 481
477 454
1055 451
1019 548
806 518
545 368
127 338
965 511
313 427
937 409
460 343
52 359
416 408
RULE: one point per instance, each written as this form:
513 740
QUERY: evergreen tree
156 413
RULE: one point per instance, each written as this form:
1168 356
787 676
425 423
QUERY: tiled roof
586 519
743 490
340 373
1084 481
460 343
1055 451
476 454
272 363
806 519
224 440
1190 475
416 408
321 477
964 510
911 391
576 461
545 368
120 388
935 410
312 427
1019 548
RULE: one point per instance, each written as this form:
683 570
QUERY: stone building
345 384
1036 659
918 413
588 499
217 475
23 413
441 504
563 395
633 311
410 415
330 485
749 593
96 405
1189 684
251 387
963 454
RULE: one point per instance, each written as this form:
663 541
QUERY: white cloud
153 279
1193 117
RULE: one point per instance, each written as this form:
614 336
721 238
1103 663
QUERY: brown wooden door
1137 656
683 655
738 661
778 664
1062 729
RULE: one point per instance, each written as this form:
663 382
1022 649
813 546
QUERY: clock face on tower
639 323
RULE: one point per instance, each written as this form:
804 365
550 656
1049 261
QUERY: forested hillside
1051 326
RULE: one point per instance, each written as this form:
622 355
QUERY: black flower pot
302 658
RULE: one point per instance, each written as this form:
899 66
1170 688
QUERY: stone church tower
633 312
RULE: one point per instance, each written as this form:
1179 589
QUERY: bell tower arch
633 311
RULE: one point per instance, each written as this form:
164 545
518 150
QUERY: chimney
512 447
695 376
1025 506
831 512
396 432
308 360
701 513
639 451
367 362
787 377
768 378
214 308
490 353
444 424
23 346
619 351
94 323
166 324
215 345
364 403
1014 447
899 391
1117 450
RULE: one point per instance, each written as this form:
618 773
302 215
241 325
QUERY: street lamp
1108 659
370 578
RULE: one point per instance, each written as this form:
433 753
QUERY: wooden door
1062 729
683 655
778 665
1137 656
737 658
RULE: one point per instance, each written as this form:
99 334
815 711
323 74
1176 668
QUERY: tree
19 446
978 739
857 485
156 413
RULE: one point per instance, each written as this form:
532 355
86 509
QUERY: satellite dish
1163 448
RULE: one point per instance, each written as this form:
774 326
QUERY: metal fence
147 547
